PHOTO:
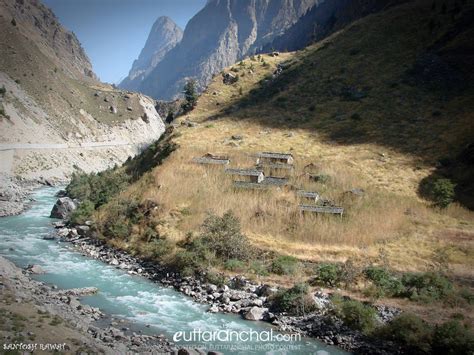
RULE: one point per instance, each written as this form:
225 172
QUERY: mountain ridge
217 36
164 36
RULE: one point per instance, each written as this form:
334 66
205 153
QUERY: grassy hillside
355 109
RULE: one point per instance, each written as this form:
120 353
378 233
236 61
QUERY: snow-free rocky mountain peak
223 32
164 36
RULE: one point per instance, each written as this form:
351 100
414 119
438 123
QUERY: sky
113 32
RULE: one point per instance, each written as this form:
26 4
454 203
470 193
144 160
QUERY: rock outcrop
164 36
223 32
63 208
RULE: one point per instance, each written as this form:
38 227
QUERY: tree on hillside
190 96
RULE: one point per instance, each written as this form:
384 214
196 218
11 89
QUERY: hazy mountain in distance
164 36
223 32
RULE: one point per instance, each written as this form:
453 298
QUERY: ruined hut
246 175
308 196
210 159
269 158
322 209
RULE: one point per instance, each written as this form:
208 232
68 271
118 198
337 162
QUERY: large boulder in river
63 208
255 313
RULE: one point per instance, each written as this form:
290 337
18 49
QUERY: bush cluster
356 315
83 213
295 301
439 190
329 275
449 338
220 240
386 284
426 287
97 188
284 265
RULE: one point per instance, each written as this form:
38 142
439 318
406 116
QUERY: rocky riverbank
238 296
66 310
14 194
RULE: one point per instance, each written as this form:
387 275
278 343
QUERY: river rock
59 224
35 269
63 208
255 313
83 230
266 290
79 291
74 303
257 302
213 309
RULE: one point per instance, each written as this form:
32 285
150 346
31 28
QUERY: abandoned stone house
268 158
246 175
322 209
212 159
309 196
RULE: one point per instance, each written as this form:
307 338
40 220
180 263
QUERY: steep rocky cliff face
323 19
223 32
164 36
55 116
33 23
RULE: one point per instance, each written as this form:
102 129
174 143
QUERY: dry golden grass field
388 222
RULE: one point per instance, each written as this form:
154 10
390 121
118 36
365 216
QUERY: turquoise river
148 306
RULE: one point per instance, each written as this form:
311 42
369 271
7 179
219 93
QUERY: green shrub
294 301
234 265
426 287
157 248
284 265
443 192
83 213
259 268
439 190
3 91
215 278
190 96
467 295
355 314
328 275
118 228
387 284
408 330
187 262
122 213
222 236
98 188
453 338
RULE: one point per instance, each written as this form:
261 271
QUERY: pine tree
190 96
